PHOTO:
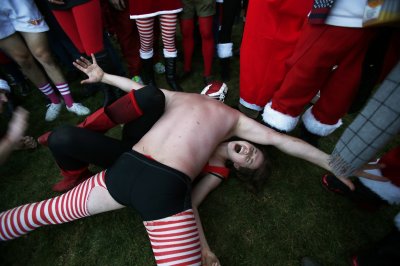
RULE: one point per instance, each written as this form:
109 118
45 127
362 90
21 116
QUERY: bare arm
200 191
16 129
96 74
251 130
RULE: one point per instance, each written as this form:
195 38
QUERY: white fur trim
150 15
219 1
279 120
225 50
316 127
4 85
146 55
250 105
170 54
385 190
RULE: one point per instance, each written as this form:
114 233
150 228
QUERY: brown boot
71 179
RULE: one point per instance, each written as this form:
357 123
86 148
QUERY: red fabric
83 25
128 37
207 43
223 171
187 30
97 121
271 32
392 162
310 69
149 7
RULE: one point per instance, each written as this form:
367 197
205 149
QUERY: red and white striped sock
168 32
175 240
68 207
49 92
145 28
65 92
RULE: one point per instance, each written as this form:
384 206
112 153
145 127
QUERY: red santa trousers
326 59
271 32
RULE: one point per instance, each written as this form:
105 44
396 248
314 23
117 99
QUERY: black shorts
155 190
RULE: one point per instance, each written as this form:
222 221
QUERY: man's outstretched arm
96 74
251 130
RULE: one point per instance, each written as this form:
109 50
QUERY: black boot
148 72
225 68
308 137
170 73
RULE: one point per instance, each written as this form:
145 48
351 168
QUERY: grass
293 217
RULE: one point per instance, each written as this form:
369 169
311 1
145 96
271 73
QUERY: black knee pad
150 98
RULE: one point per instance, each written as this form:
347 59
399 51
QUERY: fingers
93 59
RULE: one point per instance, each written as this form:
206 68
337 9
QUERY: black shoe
148 72
170 73
225 68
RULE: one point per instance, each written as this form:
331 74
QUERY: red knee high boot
71 179
97 121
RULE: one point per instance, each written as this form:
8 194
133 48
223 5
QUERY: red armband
218 171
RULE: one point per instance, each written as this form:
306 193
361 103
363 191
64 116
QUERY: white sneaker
53 110
78 109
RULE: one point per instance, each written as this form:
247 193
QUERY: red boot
97 121
71 179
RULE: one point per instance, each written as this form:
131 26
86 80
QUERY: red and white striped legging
174 240
168 32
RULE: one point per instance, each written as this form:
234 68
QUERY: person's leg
89 198
175 239
187 30
38 45
230 10
207 44
146 36
168 32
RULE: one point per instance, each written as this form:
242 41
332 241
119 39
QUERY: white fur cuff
146 55
170 54
316 127
225 50
279 120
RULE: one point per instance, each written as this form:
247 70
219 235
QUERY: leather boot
225 68
71 179
170 73
148 72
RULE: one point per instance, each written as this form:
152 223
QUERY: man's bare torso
188 132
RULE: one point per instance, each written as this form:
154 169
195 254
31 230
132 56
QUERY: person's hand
17 125
208 258
92 70
347 182
57 2
118 4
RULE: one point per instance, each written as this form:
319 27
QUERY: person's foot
137 79
159 68
78 109
68 183
251 113
53 110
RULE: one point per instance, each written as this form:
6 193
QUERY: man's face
244 154
3 99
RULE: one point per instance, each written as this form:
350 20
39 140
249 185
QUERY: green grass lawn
293 217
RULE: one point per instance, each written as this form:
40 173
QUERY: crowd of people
176 147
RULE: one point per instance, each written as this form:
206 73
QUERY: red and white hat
216 90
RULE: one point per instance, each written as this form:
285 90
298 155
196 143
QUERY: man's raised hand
92 70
